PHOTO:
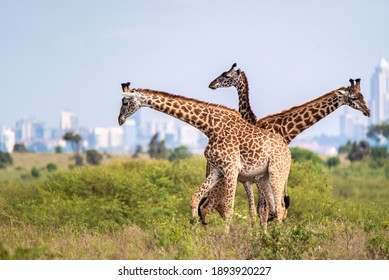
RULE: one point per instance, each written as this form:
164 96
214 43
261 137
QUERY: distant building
130 135
350 128
24 130
163 127
68 121
7 140
189 136
106 138
99 138
115 140
379 102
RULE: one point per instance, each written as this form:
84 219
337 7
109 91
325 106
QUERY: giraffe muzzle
212 85
366 112
121 119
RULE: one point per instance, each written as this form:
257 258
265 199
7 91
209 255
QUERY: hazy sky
73 55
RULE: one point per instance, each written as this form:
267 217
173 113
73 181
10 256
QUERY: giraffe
288 123
236 149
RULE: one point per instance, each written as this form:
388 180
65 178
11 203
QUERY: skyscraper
68 121
379 102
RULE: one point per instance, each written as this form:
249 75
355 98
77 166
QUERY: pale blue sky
73 55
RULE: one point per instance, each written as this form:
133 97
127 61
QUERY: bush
378 153
93 157
300 155
35 172
20 148
58 149
359 151
90 212
51 167
333 161
179 153
5 159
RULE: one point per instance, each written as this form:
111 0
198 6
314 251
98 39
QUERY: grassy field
139 209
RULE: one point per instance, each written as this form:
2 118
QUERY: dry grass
62 160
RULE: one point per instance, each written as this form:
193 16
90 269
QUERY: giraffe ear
358 81
238 71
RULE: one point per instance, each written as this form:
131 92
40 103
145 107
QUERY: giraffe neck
204 116
244 103
290 123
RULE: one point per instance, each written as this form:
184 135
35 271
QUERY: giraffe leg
214 201
204 200
262 207
278 179
209 183
230 184
250 196
268 192
265 200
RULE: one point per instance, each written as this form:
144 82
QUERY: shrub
35 172
93 157
333 161
20 148
300 154
51 167
179 153
5 159
379 153
359 151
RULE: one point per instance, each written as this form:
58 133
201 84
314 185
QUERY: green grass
139 209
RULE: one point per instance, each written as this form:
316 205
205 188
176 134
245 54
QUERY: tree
153 146
138 150
158 149
5 159
20 148
179 153
93 157
58 150
377 130
346 148
359 151
75 143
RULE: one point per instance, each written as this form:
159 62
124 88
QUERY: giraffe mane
244 78
183 98
295 108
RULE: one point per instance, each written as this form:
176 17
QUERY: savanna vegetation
139 209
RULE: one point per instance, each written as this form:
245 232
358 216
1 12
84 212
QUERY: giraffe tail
286 197
287 201
202 201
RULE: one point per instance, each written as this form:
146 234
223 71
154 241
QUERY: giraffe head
130 103
353 97
227 79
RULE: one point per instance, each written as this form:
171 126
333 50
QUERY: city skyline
37 136
74 55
